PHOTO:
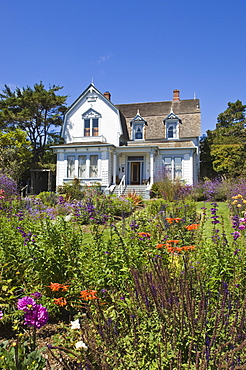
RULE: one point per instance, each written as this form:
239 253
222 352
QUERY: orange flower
60 301
192 227
147 235
173 241
169 220
55 287
180 249
65 288
88 294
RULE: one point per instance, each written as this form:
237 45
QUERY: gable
93 117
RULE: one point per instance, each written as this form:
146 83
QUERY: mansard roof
154 113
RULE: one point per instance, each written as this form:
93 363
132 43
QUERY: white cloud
104 58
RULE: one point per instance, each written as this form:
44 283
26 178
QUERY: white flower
75 324
80 344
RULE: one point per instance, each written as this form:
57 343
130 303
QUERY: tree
227 143
15 153
36 111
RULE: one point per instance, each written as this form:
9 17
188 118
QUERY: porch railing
122 185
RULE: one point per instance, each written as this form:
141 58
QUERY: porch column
114 168
151 168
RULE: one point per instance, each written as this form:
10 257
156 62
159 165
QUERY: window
138 132
70 166
93 166
171 130
177 168
172 126
172 167
91 123
138 124
82 165
168 168
91 127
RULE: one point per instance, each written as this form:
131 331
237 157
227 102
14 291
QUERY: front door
135 173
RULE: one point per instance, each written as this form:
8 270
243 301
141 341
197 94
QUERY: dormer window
172 126
137 131
138 124
171 129
91 123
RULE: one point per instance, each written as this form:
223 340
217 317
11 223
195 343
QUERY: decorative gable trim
91 113
172 116
138 119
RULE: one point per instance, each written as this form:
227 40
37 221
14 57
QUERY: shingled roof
155 113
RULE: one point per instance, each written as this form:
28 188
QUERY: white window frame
93 169
175 126
81 166
91 116
89 172
135 126
71 166
174 166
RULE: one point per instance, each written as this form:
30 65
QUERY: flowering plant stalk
22 354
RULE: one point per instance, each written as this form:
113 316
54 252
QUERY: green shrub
170 190
48 198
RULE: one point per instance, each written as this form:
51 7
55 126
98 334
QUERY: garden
93 282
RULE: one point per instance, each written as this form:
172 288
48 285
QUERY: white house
129 144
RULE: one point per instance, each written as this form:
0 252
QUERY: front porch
135 166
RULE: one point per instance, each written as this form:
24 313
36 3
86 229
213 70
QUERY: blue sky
140 51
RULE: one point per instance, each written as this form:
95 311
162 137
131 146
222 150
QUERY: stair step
138 189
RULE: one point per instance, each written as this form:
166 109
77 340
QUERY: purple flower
1 315
36 294
26 304
241 227
236 235
37 317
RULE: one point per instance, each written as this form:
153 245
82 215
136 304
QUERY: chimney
176 96
107 95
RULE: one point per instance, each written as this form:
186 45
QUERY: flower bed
151 291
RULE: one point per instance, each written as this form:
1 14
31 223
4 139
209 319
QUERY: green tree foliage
36 111
15 153
225 146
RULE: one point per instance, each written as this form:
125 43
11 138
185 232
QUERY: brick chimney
107 95
176 96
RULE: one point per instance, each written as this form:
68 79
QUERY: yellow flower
239 205
234 202
244 201
239 196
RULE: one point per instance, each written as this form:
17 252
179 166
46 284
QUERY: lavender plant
164 322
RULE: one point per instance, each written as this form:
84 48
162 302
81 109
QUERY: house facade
127 145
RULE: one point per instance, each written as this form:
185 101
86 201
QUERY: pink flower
241 227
